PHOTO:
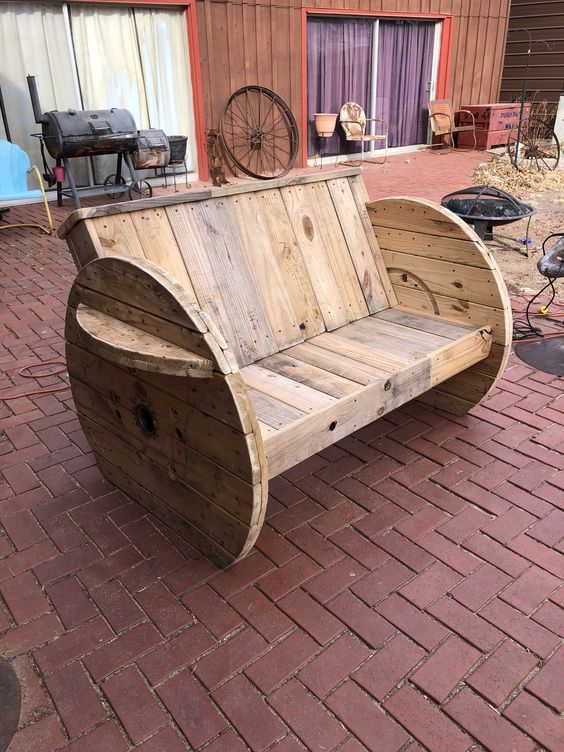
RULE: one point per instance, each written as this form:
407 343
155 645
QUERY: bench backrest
274 264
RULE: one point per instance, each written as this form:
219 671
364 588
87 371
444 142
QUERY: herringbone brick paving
405 593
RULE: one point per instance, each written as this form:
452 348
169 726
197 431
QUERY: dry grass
500 173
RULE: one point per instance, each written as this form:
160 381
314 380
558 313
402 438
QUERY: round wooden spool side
163 406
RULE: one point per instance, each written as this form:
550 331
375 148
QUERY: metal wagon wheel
140 189
113 184
259 132
534 144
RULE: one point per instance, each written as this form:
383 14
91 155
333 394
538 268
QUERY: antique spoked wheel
259 133
534 144
140 189
113 184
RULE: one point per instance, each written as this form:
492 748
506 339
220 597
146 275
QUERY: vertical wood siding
545 21
259 42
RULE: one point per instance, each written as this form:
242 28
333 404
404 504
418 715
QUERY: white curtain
136 59
33 41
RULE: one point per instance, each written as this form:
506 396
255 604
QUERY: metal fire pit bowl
485 207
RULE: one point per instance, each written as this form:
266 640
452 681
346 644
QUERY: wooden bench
217 338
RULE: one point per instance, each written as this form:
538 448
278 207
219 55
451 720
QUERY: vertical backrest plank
358 246
277 304
303 213
118 236
221 277
360 195
160 246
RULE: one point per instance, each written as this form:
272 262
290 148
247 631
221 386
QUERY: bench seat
313 394
215 339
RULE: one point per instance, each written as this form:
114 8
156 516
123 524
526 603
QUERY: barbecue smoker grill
86 133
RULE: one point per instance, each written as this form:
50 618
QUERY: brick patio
405 593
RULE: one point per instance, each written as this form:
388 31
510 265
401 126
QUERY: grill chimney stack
37 113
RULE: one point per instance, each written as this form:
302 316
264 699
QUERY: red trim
197 91
443 68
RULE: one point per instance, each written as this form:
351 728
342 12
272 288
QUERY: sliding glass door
384 65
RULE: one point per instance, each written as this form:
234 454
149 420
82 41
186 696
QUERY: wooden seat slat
273 411
318 378
429 324
284 388
334 362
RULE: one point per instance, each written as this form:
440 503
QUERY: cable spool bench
219 337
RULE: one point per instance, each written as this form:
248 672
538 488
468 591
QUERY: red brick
146 537
353 745
242 574
117 605
537 720
23 529
334 580
450 554
282 661
311 616
105 738
212 611
137 709
421 522
539 554
287 577
471 627
260 613
448 665
337 517
175 654
316 728
402 549
487 726
21 478
198 719
189 575
417 625
285 492
75 699
316 546
319 491
230 657
531 635
121 651
384 517
109 567
365 719
373 472
361 549
502 672
388 666
547 684
43 736
247 711
479 587
26 637
105 534
439 497
65 564
64 533
167 740
361 619
454 473
72 645
532 587
272 544
464 524
17 563
550 529
496 554
163 608
482 498
551 616
382 582
34 702
427 724
430 585
508 525
333 665
24 597
362 495
295 516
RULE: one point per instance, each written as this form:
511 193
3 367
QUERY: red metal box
484 139
494 117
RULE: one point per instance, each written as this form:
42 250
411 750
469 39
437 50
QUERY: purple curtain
339 54
405 53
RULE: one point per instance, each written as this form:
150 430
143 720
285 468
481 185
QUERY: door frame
444 57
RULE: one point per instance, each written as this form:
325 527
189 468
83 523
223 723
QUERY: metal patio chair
353 121
444 121
15 166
